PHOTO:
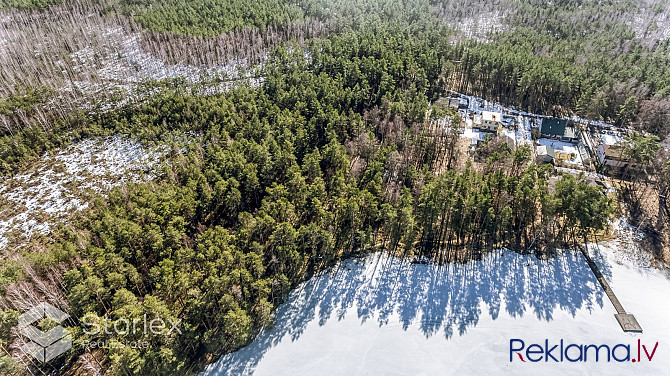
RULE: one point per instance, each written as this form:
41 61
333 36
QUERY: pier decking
626 320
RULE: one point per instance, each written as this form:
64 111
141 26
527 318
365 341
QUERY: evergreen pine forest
336 153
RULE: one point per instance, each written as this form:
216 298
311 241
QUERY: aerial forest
322 148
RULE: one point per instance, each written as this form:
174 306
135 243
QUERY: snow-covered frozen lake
380 316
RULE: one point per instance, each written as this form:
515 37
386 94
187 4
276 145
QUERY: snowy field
58 184
380 316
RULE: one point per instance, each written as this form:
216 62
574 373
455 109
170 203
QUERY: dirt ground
657 238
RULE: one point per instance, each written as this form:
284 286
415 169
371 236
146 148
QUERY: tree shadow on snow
446 298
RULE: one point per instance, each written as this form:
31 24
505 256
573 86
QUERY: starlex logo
44 345
573 352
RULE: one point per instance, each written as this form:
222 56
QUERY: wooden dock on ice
626 320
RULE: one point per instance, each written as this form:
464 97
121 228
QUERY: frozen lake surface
380 316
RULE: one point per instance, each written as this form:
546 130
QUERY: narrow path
626 320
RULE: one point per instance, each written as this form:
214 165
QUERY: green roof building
558 129
545 154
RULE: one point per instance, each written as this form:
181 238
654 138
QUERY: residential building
559 129
457 103
544 154
510 141
614 157
585 154
489 122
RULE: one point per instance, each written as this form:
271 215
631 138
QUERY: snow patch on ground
480 25
650 26
609 139
121 64
104 58
628 241
59 183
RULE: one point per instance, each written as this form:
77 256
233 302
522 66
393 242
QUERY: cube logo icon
44 345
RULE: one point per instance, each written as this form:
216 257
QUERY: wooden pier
626 320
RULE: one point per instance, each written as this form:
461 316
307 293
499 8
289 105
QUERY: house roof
448 102
491 116
584 153
545 150
510 141
557 127
615 152
477 119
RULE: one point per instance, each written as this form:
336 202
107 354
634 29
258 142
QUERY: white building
490 122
